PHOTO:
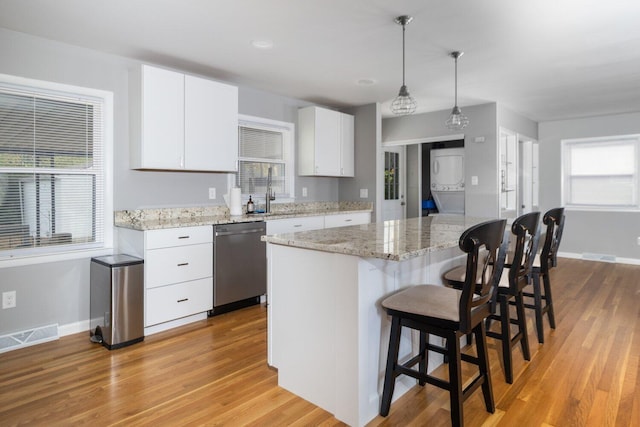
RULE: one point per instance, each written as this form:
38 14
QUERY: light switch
304 191
212 193
364 193
474 180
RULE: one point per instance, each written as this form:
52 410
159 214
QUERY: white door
393 204
527 176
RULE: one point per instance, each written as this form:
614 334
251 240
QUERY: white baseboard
74 328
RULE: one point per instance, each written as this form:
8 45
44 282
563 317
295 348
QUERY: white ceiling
545 59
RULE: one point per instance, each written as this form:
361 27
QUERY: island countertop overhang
395 240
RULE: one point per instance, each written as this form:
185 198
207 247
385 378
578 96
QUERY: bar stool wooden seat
449 313
542 264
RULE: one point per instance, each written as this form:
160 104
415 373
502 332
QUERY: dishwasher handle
231 233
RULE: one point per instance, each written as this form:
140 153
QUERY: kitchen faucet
270 194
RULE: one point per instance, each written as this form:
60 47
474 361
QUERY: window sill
19 261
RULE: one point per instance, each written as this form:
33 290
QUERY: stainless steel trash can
117 300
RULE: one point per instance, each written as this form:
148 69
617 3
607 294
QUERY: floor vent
599 257
30 337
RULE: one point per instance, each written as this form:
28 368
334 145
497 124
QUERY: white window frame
288 131
566 147
54 254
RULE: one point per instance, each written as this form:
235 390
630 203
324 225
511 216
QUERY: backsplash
193 213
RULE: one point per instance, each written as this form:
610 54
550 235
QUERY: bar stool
543 301
449 313
524 242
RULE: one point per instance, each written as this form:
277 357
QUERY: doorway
394 204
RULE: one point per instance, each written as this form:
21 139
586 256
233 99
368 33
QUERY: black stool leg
455 380
483 366
424 356
522 326
392 361
505 326
549 299
537 296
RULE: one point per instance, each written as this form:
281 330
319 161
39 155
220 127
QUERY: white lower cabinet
171 302
178 271
291 225
305 223
342 220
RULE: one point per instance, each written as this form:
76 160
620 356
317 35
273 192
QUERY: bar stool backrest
554 221
482 244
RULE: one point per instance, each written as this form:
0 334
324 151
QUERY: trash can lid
117 260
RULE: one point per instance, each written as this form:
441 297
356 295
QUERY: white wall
609 233
59 292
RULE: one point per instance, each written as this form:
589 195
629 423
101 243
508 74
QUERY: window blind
260 149
601 172
51 171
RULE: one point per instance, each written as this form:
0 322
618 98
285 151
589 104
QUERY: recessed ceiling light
262 44
366 82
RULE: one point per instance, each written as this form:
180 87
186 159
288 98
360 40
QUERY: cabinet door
162 136
327 142
342 220
347 165
183 299
291 225
211 125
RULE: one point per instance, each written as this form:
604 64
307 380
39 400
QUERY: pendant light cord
403 28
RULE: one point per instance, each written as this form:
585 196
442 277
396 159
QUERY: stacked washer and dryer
447 179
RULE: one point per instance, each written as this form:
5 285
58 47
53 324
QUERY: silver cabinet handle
297 225
183 237
182 264
183 300
348 220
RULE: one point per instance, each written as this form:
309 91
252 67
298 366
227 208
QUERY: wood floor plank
214 372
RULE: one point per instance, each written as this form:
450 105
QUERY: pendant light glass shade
403 104
457 120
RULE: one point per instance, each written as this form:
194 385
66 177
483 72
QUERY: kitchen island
327 332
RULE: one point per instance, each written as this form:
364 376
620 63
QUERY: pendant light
403 104
457 120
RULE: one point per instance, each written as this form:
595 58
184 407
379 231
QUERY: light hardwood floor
214 372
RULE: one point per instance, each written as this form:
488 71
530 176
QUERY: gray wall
58 292
367 146
414 180
609 233
481 158
516 123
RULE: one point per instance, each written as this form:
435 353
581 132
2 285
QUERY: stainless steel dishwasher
239 265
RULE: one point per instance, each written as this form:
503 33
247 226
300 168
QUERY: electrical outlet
364 193
8 299
212 193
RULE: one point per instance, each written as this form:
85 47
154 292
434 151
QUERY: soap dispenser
250 206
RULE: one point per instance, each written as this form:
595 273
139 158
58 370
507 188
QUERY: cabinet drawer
291 225
169 237
179 264
341 220
183 299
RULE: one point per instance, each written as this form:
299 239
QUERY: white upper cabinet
347 160
210 125
325 143
181 122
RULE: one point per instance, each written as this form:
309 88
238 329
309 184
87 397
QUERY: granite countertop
155 219
396 240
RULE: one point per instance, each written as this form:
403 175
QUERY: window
52 169
265 144
601 172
